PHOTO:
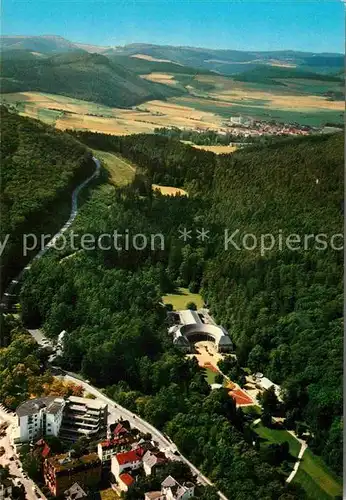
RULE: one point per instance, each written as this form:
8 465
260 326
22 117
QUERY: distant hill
228 62
92 77
274 75
143 66
47 44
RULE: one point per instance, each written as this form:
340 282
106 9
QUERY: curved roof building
195 325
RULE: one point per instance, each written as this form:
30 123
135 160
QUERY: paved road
116 411
14 465
74 210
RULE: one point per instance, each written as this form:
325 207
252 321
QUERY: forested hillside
39 169
282 308
92 77
285 308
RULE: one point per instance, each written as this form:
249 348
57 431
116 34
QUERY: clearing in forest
169 190
121 171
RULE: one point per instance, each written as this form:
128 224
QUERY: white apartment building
39 417
68 418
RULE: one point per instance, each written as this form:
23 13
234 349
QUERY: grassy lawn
108 494
209 375
278 436
120 171
180 299
316 479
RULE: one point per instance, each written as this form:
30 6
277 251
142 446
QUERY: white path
296 465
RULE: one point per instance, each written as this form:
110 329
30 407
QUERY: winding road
115 410
74 210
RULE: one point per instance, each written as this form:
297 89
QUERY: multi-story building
62 471
68 418
83 417
40 417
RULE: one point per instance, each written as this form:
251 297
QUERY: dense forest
40 166
108 301
283 308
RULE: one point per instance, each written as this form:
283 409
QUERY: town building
190 326
110 447
62 471
125 481
75 492
83 417
152 460
39 417
69 418
126 461
264 384
6 487
172 490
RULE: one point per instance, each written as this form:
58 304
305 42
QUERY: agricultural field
207 102
181 298
69 113
164 78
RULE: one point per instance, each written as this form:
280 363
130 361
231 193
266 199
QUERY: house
126 461
60 472
42 448
125 481
264 383
75 492
152 460
154 495
121 428
108 448
175 491
172 490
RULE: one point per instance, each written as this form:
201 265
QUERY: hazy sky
314 25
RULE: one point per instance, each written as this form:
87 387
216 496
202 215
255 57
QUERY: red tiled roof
120 429
129 456
241 398
45 451
126 478
109 443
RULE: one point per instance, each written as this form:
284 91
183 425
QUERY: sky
313 25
